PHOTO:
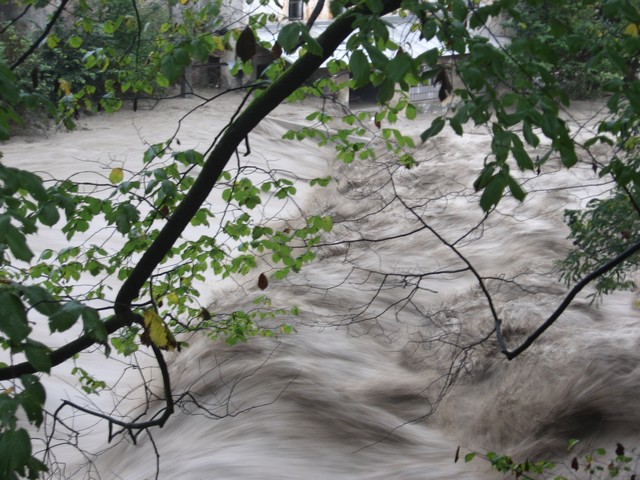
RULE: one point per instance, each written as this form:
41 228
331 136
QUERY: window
296 9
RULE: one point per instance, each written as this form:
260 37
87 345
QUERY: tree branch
70 349
34 45
511 354
16 19
236 132
315 14
273 96
135 425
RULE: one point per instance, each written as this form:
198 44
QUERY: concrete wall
34 19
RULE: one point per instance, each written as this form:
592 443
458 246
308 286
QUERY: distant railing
423 93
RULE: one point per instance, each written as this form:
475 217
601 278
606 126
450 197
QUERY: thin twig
13 21
34 45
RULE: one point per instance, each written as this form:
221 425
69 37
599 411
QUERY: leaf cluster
597 464
16 455
603 230
561 34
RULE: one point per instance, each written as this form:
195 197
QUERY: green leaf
38 356
13 321
289 36
326 223
17 243
531 138
41 299
152 152
127 344
162 81
93 325
378 58
360 68
429 29
322 182
470 456
202 47
550 125
493 192
181 56
35 467
32 183
567 153
189 157
436 127
75 41
65 317
473 78
516 190
485 176
398 67
111 26
32 398
171 69
15 451
5 223
456 125
386 91
126 216
411 111
519 153
572 443
48 214
460 11
53 40
375 6
8 408
312 44
286 328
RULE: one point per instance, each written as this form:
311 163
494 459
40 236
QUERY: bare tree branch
511 354
34 45
14 20
134 428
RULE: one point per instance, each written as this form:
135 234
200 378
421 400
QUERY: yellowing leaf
631 30
219 43
156 332
65 86
116 175
173 299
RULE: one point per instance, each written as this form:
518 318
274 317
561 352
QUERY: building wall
283 8
34 19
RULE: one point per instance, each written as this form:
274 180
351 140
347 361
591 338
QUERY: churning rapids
385 374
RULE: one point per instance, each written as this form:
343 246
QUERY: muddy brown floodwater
383 377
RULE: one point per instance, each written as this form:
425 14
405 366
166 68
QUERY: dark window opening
296 10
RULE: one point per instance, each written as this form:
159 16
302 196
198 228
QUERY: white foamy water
385 375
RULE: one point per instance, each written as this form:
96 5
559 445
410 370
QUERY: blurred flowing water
385 374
